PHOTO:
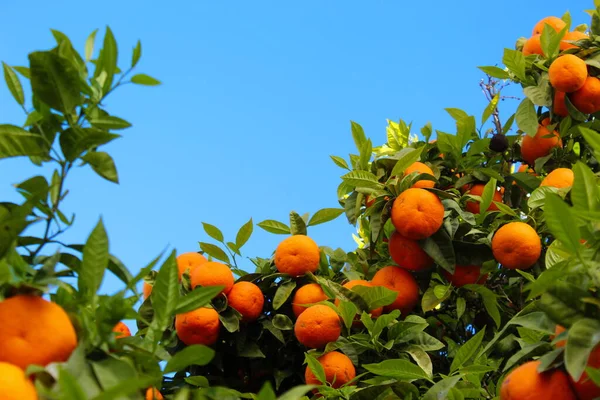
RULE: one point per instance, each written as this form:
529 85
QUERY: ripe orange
556 23
408 254
200 326
420 168
477 190
338 370
465 275
538 146
34 331
147 290
571 36
587 98
533 45
526 168
516 245
525 382
317 326
121 330
585 387
14 385
297 255
247 299
361 282
307 294
559 107
213 274
189 261
402 282
417 213
153 394
567 73
559 178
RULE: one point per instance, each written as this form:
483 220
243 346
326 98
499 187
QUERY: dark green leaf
316 368
13 83
585 193
54 81
283 293
515 61
409 156
397 369
95 261
165 293
296 393
110 122
325 215
199 297
214 251
108 61
583 337
297 224
196 354
560 222
439 247
103 164
527 117
15 142
244 234
282 322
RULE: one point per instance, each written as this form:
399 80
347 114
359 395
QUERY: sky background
255 97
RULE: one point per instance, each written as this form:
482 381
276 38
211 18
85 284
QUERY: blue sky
255 97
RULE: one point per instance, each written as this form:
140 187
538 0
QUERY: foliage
458 343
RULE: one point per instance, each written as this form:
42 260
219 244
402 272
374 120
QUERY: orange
297 255
121 330
559 107
555 23
14 385
477 190
533 45
526 168
585 387
572 36
408 254
213 274
34 331
247 299
200 326
559 178
465 275
587 98
526 383
307 294
417 213
317 326
147 290
360 282
516 245
402 282
153 394
420 168
538 146
338 370
567 73
189 261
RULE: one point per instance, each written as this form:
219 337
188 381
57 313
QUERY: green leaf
347 311
489 301
430 301
276 227
592 138
340 162
69 387
137 53
461 306
13 83
214 251
24 71
316 368
199 297
358 134
495 72
213 232
296 392
515 61
365 155
244 234
297 224
541 94
487 195
75 141
282 322
363 179
585 193
325 215
397 369
508 124
439 247
376 296
110 122
196 354
54 81
143 79
457 113
165 293
89 45
266 392
103 164
550 40
526 181
503 208
490 108
283 293
467 351
95 261
15 142
108 61
409 156
560 222
583 337
382 322
527 117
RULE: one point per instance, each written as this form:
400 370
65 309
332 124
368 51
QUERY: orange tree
471 279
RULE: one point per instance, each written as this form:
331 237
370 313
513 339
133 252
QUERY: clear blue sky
255 97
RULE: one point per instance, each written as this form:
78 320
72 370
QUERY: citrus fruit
403 283
477 190
465 275
587 98
213 274
307 294
526 383
121 330
189 262
567 73
516 245
297 255
200 326
14 385
247 299
417 213
420 168
338 368
555 23
317 326
540 145
408 254
559 178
